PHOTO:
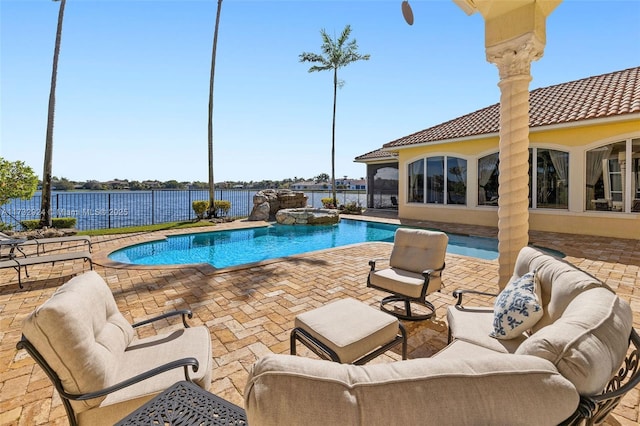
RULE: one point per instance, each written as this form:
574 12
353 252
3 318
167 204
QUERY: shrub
352 208
222 207
200 207
56 222
327 203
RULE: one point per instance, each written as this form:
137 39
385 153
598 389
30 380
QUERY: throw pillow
517 308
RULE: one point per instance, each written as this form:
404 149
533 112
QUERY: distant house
584 157
345 183
351 184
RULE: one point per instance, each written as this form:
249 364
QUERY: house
584 155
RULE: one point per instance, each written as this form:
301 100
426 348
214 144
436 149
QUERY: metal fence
119 209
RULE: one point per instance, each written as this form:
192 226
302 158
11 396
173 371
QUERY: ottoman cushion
349 327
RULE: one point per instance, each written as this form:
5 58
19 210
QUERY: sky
133 81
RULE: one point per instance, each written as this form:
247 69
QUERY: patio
250 311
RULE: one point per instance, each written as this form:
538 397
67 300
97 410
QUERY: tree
45 207
16 181
322 177
335 54
212 210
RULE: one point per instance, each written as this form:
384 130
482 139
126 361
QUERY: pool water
222 249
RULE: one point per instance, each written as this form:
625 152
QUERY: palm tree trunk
45 206
212 209
333 138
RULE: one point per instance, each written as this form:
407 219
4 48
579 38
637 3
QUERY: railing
119 209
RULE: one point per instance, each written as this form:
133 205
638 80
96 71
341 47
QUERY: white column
513 59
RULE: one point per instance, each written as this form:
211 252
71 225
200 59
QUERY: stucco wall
573 220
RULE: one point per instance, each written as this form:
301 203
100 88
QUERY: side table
185 403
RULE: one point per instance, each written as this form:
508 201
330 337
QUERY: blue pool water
237 247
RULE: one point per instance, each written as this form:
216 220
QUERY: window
435 180
429 184
416 182
613 177
488 180
551 185
456 181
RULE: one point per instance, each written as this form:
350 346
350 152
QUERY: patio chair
414 271
98 365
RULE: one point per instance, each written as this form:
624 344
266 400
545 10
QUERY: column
513 59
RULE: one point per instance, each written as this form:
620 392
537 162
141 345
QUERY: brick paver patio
250 310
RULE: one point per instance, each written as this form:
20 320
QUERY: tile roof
607 95
378 154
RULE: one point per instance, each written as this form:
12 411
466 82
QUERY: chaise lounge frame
18 263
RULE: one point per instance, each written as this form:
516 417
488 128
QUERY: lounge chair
40 242
18 263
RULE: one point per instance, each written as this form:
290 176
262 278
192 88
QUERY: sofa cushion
516 308
82 335
588 342
474 324
560 282
489 389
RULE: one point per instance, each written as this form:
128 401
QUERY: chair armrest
427 272
184 312
458 293
23 343
599 406
184 362
372 262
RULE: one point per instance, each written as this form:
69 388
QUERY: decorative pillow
517 308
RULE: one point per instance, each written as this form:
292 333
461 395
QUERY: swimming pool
222 249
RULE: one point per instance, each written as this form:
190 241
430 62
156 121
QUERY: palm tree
45 206
335 54
212 209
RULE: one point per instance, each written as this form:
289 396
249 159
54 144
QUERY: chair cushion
416 250
473 325
350 328
150 352
589 342
402 282
516 308
81 334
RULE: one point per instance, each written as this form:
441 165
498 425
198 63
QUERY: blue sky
133 81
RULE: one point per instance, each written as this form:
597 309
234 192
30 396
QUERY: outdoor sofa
551 373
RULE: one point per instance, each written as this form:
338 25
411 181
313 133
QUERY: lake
117 209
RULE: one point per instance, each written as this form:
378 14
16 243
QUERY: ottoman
348 331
